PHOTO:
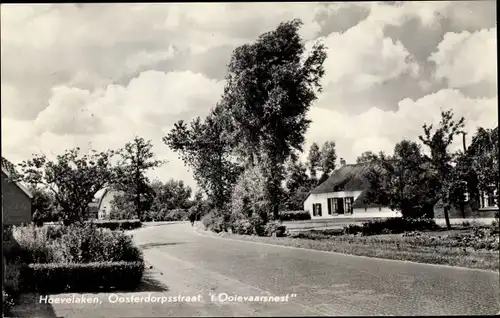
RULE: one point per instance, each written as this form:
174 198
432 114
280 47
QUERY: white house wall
383 212
322 198
105 206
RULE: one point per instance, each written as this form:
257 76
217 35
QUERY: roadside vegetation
76 258
472 246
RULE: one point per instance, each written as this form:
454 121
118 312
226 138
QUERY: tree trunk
447 217
462 209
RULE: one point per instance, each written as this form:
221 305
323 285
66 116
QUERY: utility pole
463 141
462 206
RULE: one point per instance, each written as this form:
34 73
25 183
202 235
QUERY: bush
56 278
90 244
176 215
248 198
243 227
397 225
74 244
33 245
10 287
55 232
117 224
214 221
9 301
275 228
294 215
352 229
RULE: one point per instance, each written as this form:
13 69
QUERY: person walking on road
192 218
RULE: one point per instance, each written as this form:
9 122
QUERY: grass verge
390 246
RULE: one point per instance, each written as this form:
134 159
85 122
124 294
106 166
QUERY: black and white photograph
250 159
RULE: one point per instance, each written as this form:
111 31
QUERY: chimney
342 162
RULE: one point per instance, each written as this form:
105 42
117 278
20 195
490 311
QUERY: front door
340 205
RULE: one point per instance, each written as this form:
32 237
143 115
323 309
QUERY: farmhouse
104 203
343 195
16 201
485 207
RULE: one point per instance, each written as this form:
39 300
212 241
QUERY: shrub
117 224
76 244
9 301
243 227
33 245
248 199
294 215
275 228
352 229
10 287
70 277
176 215
90 244
214 221
397 225
55 232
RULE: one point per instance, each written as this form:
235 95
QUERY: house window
317 209
332 205
489 199
348 205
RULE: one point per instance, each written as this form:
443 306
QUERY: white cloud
96 75
377 130
107 119
466 59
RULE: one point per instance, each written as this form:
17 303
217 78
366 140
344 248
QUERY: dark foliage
72 277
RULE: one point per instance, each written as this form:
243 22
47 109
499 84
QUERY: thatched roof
350 177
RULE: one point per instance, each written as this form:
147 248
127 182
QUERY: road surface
317 283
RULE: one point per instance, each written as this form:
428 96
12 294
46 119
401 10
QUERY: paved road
188 263
325 283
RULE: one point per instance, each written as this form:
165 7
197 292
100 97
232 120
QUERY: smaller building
16 201
93 208
344 193
104 203
486 207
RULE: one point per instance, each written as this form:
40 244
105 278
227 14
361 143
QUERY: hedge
117 224
294 215
72 277
74 244
391 226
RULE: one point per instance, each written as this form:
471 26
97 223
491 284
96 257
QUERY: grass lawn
432 248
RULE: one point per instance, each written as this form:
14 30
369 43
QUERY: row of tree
256 127
413 182
64 187
244 153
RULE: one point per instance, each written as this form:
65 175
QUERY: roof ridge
18 184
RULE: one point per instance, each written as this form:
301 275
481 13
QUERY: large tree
72 178
478 166
136 158
367 156
205 148
441 158
43 202
270 87
170 195
328 157
298 185
403 181
313 160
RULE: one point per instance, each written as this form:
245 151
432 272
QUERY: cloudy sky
95 75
